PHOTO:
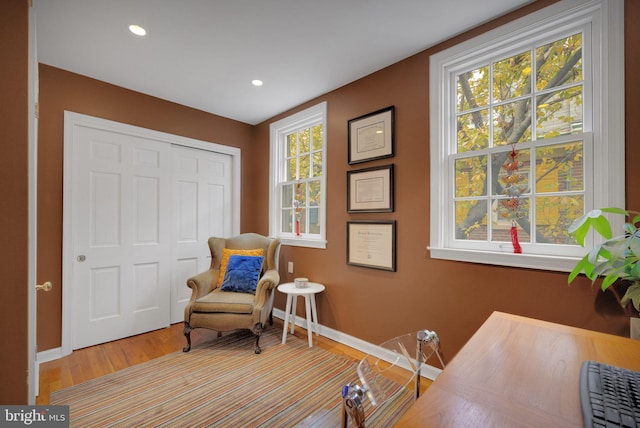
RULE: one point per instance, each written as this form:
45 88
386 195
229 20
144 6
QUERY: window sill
523 260
302 242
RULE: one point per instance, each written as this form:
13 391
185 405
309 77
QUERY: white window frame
278 132
603 122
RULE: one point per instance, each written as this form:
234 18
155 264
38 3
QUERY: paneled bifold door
201 201
142 211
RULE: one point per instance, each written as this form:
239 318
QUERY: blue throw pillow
243 273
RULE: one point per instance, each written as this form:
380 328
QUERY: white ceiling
204 53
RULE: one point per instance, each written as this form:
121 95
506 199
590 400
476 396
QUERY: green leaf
578 223
602 226
588 271
599 269
633 269
581 232
616 249
608 280
634 246
615 258
577 269
604 251
629 228
633 295
594 254
614 210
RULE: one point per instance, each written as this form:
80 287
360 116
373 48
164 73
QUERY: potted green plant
616 258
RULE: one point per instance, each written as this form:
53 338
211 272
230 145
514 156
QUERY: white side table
309 294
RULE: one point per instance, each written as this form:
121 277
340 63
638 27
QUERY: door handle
44 287
81 258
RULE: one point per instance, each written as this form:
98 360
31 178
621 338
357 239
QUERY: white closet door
121 235
202 207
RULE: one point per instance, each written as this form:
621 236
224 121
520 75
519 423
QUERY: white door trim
32 82
72 120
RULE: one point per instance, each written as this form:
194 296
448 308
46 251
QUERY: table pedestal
309 294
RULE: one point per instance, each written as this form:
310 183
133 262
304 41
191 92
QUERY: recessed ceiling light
137 30
256 82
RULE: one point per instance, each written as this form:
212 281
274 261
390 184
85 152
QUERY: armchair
211 307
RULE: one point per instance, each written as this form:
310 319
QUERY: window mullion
532 193
298 157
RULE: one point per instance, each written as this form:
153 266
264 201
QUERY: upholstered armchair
217 303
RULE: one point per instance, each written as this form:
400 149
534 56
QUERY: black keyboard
609 396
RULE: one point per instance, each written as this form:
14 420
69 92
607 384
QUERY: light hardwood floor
95 361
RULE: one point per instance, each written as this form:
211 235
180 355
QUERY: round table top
290 288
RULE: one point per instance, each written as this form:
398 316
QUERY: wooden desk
518 372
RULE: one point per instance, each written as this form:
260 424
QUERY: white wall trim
428 371
49 355
32 165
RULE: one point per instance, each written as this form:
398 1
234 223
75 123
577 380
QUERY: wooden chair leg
257 331
187 334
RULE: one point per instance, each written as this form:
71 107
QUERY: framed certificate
372 244
371 136
370 190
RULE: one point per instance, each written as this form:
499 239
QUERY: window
298 169
527 133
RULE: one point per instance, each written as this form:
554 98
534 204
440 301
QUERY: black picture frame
370 190
372 244
371 136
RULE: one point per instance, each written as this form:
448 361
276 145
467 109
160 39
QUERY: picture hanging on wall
371 136
372 244
370 190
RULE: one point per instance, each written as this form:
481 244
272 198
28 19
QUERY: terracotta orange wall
452 298
14 207
61 90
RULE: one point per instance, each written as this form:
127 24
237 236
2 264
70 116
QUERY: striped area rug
224 384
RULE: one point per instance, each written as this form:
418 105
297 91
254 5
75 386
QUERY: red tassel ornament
512 204
514 239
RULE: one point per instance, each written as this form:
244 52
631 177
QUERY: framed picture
371 136
370 190
372 244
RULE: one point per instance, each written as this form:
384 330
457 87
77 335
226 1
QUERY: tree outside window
298 165
526 134
497 105
301 196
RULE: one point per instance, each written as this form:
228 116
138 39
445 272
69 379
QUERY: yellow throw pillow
226 253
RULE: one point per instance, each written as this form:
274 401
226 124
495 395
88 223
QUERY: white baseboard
43 357
428 371
49 355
